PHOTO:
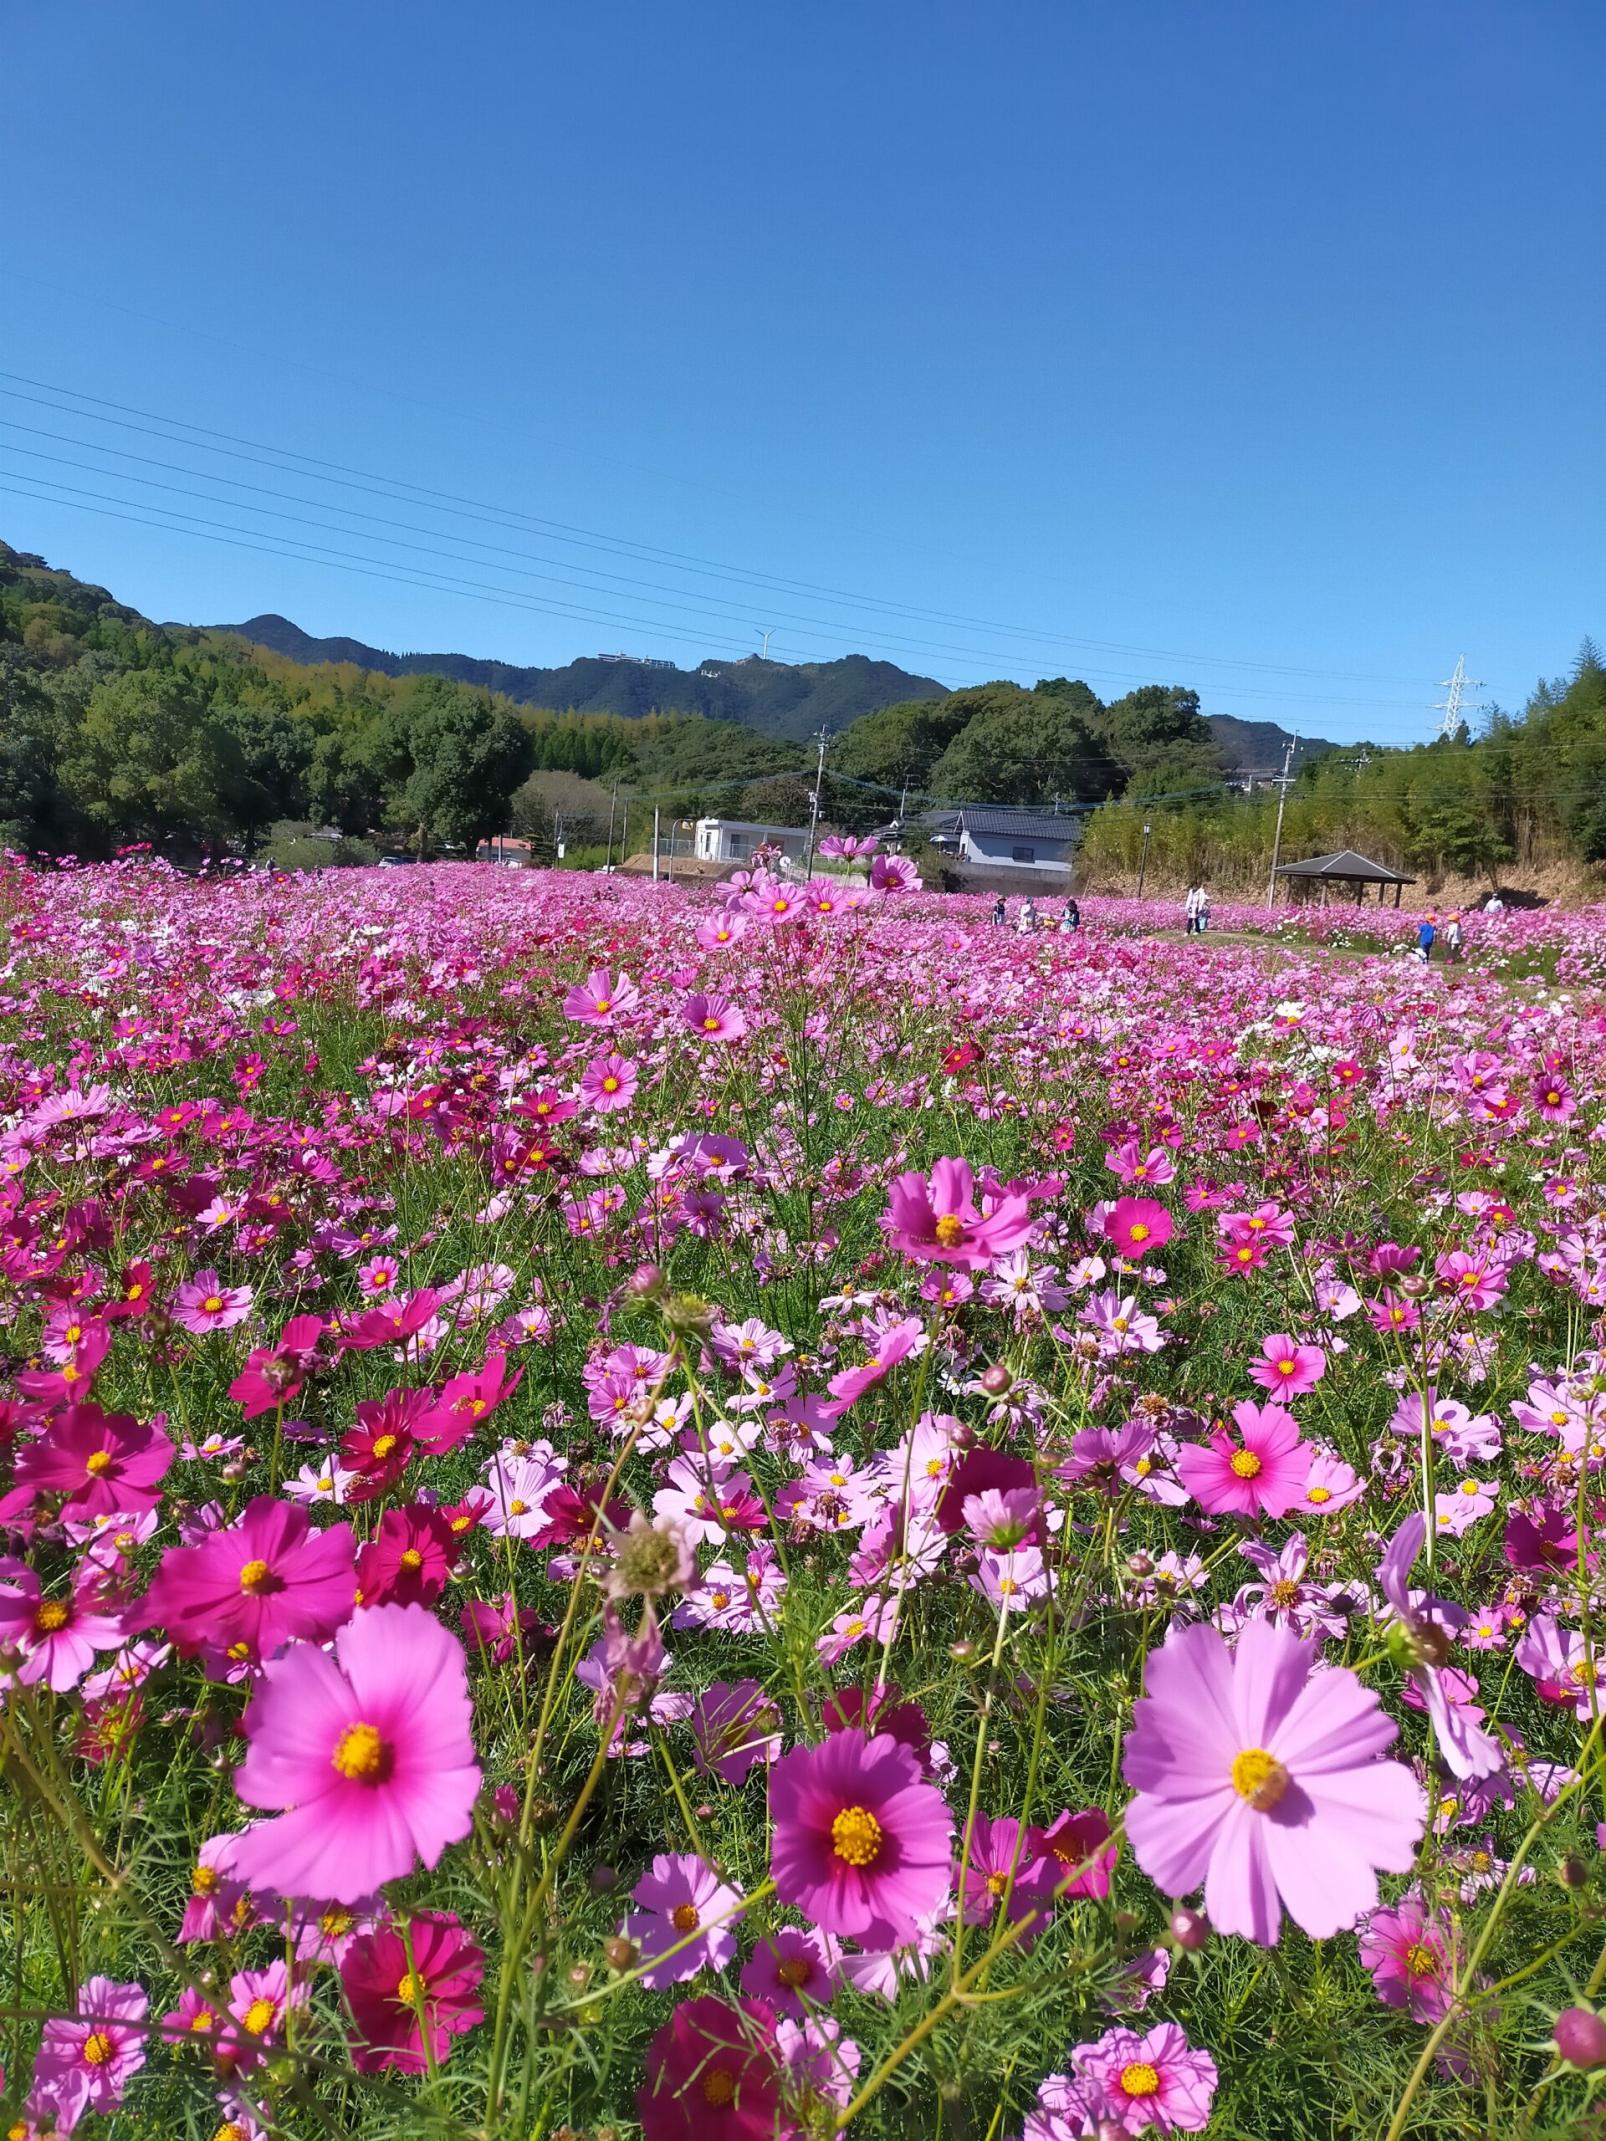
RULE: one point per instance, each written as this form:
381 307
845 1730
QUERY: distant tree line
115 731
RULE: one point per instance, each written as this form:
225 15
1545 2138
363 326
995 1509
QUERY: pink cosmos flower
408 1986
1075 1845
1286 1367
257 1585
369 1752
938 1221
894 873
861 1844
1261 1474
608 1084
1003 1863
58 1638
793 1969
603 999
894 1343
681 1896
734 1725
106 1463
1258 1774
410 1561
713 1018
206 1304
1156 2080
1137 1225
1410 1953
86 2063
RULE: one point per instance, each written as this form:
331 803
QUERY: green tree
1024 747
150 762
468 754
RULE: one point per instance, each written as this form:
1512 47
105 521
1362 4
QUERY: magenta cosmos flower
716 1018
1411 1955
401 1985
862 1844
1156 2080
369 1753
938 1221
1137 1225
713 2075
1260 1777
258 1585
608 1084
1261 1472
106 1463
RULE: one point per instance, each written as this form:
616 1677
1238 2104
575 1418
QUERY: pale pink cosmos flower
368 1752
1157 2080
86 2062
714 1018
1258 1774
680 1897
205 1304
603 999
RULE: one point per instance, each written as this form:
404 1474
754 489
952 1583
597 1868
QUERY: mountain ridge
784 700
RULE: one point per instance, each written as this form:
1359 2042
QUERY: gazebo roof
1346 864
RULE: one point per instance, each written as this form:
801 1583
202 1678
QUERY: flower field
774 1511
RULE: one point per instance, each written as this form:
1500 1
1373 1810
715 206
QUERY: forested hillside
116 731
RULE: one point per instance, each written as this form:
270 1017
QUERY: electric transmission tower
1454 708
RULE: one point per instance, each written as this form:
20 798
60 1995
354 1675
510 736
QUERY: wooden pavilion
1347 869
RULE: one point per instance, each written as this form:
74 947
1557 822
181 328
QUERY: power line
348 476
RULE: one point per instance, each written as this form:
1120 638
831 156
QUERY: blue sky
1252 346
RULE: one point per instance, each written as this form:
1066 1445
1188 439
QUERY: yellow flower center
1140 2079
1318 1494
684 1918
253 1576
795 1971
360 1753
204 1881
856 1836
212 1304
1138 1231
383 1445
50 1615
950 1229
710 1025
1421 1961
410 1990
335 1923
1285 1593
412 1558
610 1084
99 2048
258 2017
1259 1777
719 2087
230 2132
98 1461
1246 1464
1584 1673
201 2021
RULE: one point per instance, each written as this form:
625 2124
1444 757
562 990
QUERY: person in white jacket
1190 909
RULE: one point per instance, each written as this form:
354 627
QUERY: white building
994 836
736 840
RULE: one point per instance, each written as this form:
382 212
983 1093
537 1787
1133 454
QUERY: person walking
999 911
1424 939
1201 920
1190 910
1452 941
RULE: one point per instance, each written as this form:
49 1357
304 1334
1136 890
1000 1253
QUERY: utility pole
814 804
1282 804
766 634
655 843
1143 859
613 804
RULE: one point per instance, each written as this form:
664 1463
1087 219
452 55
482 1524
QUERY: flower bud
1189 1929
1580 2038
963 1652
646 1282
997 1380
619 1953
1571 1872
604 1879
